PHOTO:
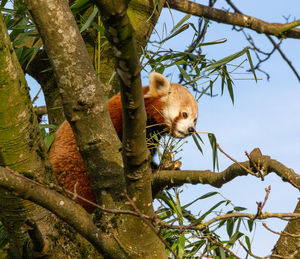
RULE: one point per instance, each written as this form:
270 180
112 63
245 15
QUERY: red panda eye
184 115
195 120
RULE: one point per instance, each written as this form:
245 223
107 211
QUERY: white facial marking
180 101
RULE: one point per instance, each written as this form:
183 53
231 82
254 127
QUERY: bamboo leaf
80 5
250 224
230 89
251 64
184 73
220 41
207 195
213 143
229 227
225 60
197 143
237 208
181 29
89 20
49 140
185 18
247 239
181 245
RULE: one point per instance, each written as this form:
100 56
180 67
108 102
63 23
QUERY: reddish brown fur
67 161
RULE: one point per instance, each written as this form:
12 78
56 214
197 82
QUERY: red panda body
169 107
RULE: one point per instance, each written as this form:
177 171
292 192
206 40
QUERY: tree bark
22 149
86 110
287 245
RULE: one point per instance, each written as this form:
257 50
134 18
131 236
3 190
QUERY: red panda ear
157 85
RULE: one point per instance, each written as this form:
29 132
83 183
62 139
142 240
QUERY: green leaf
237 208
225 60
198 136
160 69
184 73
220 41
250 224
207 195
181 29
223 76
49 140
89 20
80 5
98 28
222 253
247 239
251 64
48 126
230 89
185 18
197 143
229 226
211 209
181 245
34 52
213 143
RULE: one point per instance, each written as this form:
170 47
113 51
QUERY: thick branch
63 207
277 29
167 179
135 153
83 100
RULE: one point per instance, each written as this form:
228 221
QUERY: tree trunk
22 149
288 245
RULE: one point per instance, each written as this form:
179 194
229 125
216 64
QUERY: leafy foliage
189 243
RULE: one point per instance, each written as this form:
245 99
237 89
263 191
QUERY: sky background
265 115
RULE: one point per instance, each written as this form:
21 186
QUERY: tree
124 184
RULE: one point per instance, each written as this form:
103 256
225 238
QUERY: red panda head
175 104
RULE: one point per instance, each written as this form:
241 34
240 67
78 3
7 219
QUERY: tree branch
82 96
277 29
166 179
136 156
276 46
63 207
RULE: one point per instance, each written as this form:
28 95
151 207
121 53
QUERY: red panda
169 107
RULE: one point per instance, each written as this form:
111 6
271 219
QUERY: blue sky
265 115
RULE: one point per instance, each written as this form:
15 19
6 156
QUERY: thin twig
222 246
249 252
283 233
245 168
272 41
37 95
260 205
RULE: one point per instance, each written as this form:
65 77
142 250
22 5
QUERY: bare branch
249 252
166 179
283 233
276 46
277 29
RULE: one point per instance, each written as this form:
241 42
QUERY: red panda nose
191 129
